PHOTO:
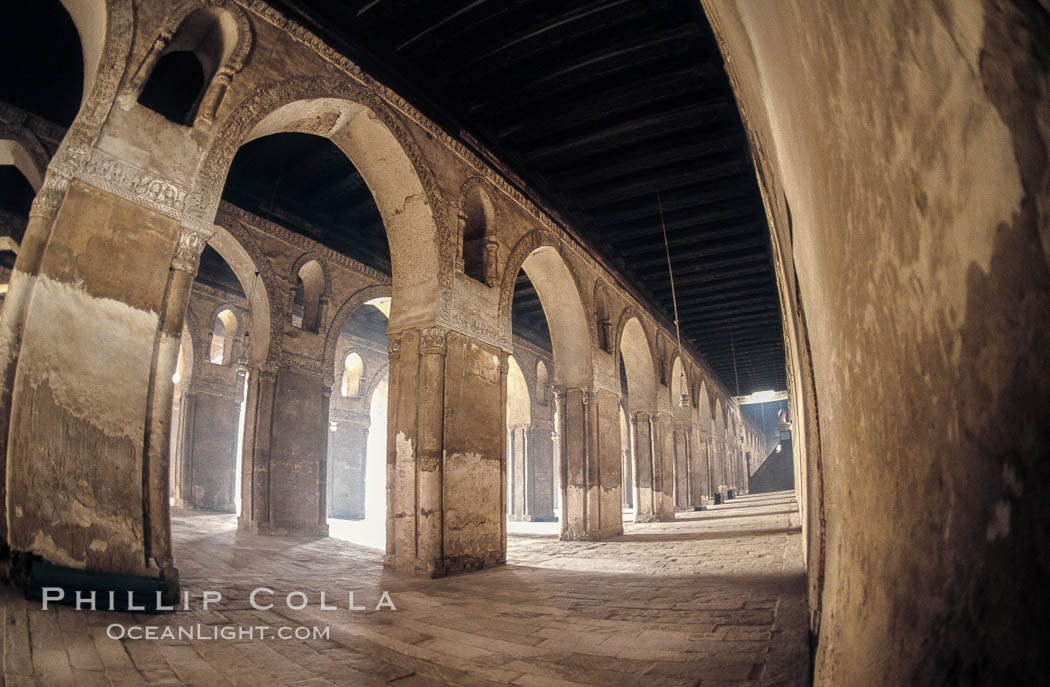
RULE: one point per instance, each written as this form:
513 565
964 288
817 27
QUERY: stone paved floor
714 598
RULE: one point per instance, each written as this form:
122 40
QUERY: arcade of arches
266 324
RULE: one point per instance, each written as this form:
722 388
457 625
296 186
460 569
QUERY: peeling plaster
81 367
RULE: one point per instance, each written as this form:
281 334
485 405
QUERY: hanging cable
683 401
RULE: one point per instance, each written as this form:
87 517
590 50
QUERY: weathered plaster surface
909 141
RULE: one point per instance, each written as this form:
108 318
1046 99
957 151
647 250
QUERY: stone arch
561 297
342 316
23 151
106 28
635 349
375 141
477 236
382 372
258 282
189 25
191 324
703 405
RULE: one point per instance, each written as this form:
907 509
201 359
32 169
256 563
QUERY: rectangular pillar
348 453
663 467
540 456
446 474
644 502
590 434
286 454
87 458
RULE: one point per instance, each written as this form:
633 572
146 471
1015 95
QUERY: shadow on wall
777 472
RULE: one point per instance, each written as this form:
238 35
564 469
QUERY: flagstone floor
715 598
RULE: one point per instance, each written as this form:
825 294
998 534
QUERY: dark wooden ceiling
598 105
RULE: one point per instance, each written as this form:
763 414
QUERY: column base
456 566
532 518
269 529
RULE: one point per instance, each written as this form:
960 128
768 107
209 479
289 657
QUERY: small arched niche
306 300
223 334
601 316
353 371
543 386
478 244
186 72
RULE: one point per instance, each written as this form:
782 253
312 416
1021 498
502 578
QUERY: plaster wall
902 151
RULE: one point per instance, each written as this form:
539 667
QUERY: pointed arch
634 349
342 316
559 291
22 150
258 281
375 141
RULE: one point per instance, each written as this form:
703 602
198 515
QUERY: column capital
433 341
394 347
559 396
188 249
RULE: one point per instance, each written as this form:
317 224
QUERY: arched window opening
353 369
180 70
543 385
479 244
223 334
175 88
306 301
601 315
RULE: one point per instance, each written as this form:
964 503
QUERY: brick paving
714 598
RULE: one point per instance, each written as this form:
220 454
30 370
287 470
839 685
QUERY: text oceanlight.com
198 632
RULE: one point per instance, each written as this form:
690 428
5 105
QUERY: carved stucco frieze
456 319
300 363
127 181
